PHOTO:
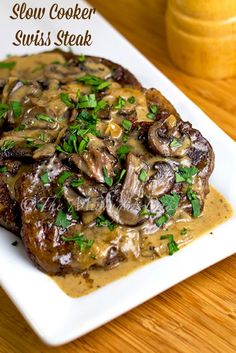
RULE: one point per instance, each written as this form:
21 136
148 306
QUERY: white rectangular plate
57 318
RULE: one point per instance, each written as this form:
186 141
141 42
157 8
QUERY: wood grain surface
198 315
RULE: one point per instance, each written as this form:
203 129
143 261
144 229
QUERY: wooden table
198 315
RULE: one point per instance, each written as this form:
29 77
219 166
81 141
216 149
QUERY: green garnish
170 203
120 103
102 221
123 150
131 100
161 220
87 101
97 83
16 108
40 206
45 178
77 183
144 212
20 127
120 177
184 231
196 206
185 174
153 112
67 100
126 124
63 176
143 175
61 220
83 144
7 145
175 143
72 212
3 169
107 180
44 117
172 245
70 145
81 58
80 240
9 65
42 136
3 110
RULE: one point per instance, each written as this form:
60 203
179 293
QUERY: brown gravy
217 210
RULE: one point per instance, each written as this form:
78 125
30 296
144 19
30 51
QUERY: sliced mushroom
61 73
165 138
161 182
124 205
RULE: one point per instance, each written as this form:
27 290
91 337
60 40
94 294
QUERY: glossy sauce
217 210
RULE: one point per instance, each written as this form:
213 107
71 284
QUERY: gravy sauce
217 210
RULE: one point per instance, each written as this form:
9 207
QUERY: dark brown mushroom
161 182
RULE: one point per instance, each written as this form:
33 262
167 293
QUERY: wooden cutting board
196 316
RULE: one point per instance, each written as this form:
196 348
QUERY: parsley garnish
107 180
144 212
9 65
44 117
153 111
185 174
20 127
123 150
196 207
3 110
126 124
172 245
61 220
120 103
102 221
45 178
80 240
40 207
161 220
131 100
120 177
175 143
3 169
143 175
81 58
83 144
7 145
63 176
16 108
67 100
97 83
87 101
77 183
184 231
170 203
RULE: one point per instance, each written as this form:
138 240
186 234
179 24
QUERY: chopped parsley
72 212
20 127
196 206
107 180
63 177
7 145
83 144
44 117
153 112
131 100
67 100
123 150
121 176
170 202
120 103
102 221
61 220
9 65
144 212
40 206
16 108
172 245
76 183
143 175
3 110
80 240
87 101
185 174
45 178
97 83
81 58
126 124
161 220
175 143
184 231
3 169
